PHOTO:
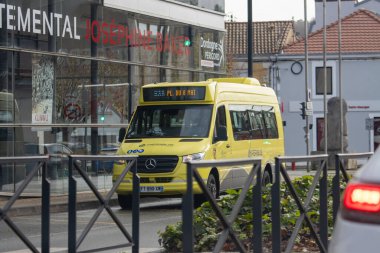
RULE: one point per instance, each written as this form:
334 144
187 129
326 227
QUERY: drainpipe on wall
273 73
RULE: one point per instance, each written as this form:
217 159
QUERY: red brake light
362 197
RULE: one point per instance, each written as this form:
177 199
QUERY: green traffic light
102 118
187 43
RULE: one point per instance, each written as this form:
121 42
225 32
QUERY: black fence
319 177
73 241
131 166
319 232
188 203
40 164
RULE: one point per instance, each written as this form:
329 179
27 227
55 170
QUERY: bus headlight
192 157
120 162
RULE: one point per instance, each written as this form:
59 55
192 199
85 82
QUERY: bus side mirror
221 133
122 133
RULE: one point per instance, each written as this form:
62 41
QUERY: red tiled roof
268 37
360 34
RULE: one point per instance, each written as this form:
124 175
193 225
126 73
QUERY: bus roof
240 80
199 91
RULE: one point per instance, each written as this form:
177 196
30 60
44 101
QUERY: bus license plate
151 188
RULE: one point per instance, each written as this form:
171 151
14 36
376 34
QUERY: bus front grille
147 180
156 164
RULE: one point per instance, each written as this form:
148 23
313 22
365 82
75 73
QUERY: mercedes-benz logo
150 164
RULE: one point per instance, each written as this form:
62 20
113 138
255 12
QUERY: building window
319 80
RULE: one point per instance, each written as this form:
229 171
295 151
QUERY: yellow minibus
222 118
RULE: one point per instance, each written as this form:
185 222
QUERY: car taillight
361 203
362 197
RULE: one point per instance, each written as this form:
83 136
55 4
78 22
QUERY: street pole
340 77
307 98
94 90
324 76
250 39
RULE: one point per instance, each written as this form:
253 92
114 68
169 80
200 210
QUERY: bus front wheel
125 201
266 180
212 186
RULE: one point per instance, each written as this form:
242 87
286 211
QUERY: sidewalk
30 204
58 203
30 201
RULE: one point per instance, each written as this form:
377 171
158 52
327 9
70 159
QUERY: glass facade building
71 72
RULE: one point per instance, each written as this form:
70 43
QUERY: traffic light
187 42
102 118
303 110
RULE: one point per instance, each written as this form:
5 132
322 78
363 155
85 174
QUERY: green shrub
207 227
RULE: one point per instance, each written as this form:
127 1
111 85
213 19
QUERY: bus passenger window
240 125
257 125
270 124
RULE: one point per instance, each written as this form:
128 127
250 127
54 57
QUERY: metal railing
254 179
45 212
320 239
188 204
131 165
340 167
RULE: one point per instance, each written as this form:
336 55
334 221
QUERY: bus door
221 146
240 125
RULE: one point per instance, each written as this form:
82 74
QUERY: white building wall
347 7
291 89
172 10
360 90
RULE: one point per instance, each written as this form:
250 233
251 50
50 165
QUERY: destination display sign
178 93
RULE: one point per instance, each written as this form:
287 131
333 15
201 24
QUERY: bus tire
266 178
213 186
125 201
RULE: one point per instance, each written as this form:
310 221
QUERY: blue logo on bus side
134 151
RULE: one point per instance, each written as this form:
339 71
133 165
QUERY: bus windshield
171 121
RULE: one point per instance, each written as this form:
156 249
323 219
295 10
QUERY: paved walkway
58 203
30 203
